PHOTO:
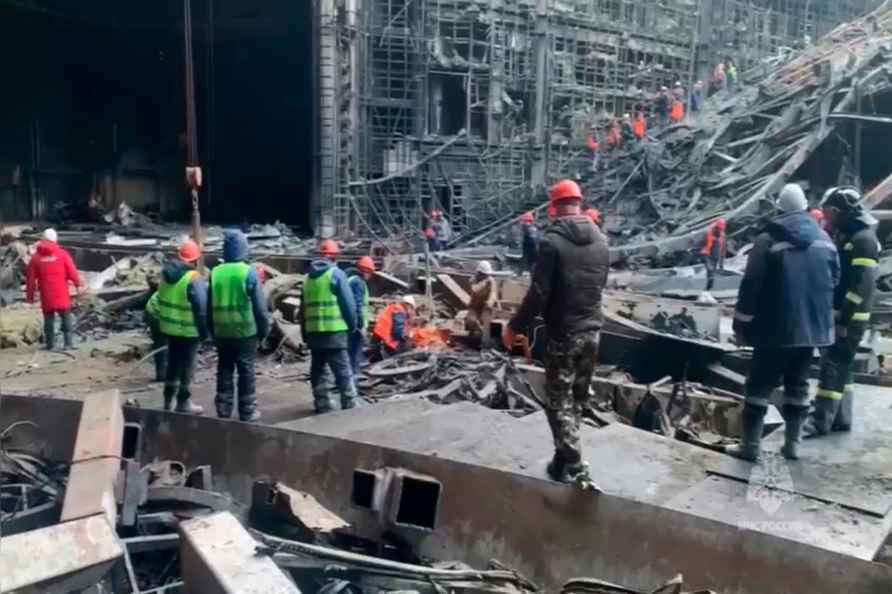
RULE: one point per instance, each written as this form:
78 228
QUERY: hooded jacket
197 293
568 278
786 296
235 249
341 289
49 272
358 288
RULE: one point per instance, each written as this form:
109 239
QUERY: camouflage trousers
569 366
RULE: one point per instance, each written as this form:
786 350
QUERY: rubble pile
14 258
736 155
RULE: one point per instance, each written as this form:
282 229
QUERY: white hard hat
50 235
409 300
484 267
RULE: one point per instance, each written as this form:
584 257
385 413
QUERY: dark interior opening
131 446
363 488
418 503
93 103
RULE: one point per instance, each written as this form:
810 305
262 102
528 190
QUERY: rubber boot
821 418
49 331
224 411
843 420
187 406
251 418
751 442
794 419
557 470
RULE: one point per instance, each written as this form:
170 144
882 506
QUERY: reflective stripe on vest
175 311
233 314
366 310
321 310
384 325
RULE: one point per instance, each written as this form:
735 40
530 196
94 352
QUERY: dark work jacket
568 278
859 254
531 238
786 296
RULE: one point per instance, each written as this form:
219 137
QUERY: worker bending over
391 333
784 310
182 305
713 252
484 300
237 318
358 278
569 276
49 272
530 241
854 230
328 316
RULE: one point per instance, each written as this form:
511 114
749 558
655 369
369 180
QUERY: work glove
508 338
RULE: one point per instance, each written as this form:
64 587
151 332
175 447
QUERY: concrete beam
66 557
96 459
217 557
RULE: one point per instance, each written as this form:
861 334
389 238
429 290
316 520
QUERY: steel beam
96 459
217 556
63 558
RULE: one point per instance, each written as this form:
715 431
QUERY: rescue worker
484 299
237 319
531 238
719 78
784 310
697 97
182 304
662 106
432 244
854 230
358 278
731 75
569 276
594 147
713 252
677 114
49 272
640 127
628 131
327 316
152 319
614 136
442 230
391 333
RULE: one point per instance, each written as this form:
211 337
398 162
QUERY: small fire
430 338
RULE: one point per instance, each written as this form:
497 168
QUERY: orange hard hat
565 190
527 217
594 214
328 247
721 224
366 264
189 252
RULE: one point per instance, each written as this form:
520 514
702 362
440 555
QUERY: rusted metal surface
63 558
96 459
217 557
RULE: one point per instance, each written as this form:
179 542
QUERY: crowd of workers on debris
808 287
667 108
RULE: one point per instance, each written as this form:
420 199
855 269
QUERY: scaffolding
473 106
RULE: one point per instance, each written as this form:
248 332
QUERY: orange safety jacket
709 244
384 325
677 111
640 128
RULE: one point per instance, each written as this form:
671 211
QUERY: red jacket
49 271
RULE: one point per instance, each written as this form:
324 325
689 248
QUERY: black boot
751 442
794 419
821 418
49 331
557 470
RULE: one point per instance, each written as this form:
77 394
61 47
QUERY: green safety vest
153 308
366 310
321 310
232 310
175 311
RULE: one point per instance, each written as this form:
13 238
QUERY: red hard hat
565 190
429 233
527 217
328 247
721 224
189 252
366 264
594 214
